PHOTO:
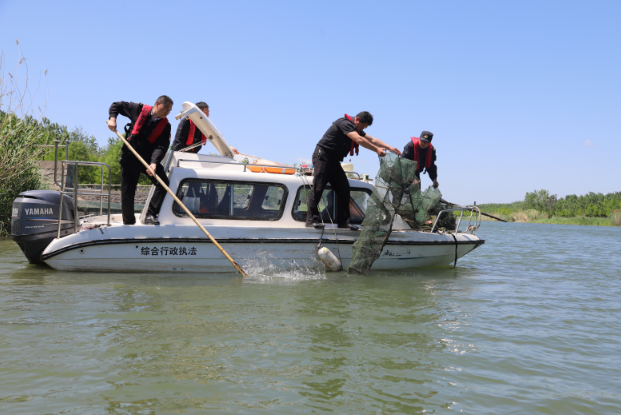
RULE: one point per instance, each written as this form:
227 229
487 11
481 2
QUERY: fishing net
395 193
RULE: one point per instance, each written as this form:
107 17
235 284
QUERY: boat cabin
221 191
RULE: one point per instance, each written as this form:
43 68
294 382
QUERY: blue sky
512 90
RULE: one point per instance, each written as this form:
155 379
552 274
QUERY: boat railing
308 171
55 145
474 220
115 187
75 191
347 173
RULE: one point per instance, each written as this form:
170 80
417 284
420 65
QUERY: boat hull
200 255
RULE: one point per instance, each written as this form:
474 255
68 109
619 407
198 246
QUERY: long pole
484 214
241 271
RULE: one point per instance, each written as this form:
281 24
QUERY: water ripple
528 323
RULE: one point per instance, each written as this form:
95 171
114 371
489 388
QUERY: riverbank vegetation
20 157
540 206
19 135
23 128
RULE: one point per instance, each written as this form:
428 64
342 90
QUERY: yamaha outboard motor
34 221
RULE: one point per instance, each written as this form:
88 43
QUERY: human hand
415 182
435 183
381 152
112 124
153 167
234 150
396 151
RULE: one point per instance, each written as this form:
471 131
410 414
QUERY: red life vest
159 128
427 161
190 139
354 145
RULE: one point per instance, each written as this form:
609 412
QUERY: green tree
78 135
540 200
111 156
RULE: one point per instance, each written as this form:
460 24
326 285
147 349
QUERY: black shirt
408 153
335 142
151 153
182 136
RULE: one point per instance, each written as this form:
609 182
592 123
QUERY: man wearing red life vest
188 134
149 134
344 136
421 150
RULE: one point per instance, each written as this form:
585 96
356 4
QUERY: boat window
231 200
357 205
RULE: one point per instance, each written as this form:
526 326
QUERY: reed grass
19 136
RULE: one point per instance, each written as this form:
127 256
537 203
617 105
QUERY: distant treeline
543 206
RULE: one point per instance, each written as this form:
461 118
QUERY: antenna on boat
160 181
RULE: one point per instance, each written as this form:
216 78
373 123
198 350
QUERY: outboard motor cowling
34 221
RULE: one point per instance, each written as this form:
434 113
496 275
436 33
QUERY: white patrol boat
256 211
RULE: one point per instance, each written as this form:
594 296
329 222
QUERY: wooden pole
484 214
241 271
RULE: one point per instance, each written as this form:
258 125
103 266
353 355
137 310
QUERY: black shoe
315 223
151 220
349 226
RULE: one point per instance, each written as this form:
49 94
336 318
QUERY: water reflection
373 341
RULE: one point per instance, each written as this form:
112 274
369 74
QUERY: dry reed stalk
20 132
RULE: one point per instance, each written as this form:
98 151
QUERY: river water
527 323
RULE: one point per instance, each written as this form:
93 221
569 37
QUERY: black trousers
130 174
328 171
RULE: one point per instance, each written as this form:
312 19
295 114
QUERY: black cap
426 136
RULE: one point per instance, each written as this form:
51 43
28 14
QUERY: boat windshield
220 199
357 205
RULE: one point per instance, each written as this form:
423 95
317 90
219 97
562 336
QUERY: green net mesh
395 193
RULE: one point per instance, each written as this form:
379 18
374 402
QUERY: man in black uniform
149 134
187 133
344 136
421 150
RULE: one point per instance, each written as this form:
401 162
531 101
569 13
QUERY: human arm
379 143
357 138
124 108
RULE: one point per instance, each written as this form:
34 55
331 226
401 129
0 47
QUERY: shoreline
579 220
